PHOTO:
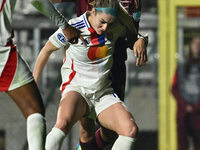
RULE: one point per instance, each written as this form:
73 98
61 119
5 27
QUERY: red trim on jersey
64 60
2 5
71 76
9 70
94 37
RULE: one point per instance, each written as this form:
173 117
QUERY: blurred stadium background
169 24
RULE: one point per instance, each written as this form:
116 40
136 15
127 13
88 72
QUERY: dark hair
189 59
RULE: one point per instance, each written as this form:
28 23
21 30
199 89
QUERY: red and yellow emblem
95 53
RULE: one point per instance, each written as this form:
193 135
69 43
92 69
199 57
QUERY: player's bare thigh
28 99
71 109
118 119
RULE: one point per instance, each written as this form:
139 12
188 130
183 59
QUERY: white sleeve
47 9
58 39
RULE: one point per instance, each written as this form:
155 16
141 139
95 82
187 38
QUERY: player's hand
72 34
140 52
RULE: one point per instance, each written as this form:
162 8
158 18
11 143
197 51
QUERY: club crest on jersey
61 38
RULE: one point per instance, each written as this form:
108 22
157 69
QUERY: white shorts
15 73
98 101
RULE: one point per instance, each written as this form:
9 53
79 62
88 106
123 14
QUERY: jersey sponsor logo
95 53
61 38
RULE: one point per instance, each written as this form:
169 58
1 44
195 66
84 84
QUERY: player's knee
132 131
129 129
63 124
32 110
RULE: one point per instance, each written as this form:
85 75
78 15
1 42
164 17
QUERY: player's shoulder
79 22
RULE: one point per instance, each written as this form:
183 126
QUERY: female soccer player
132 8
86 87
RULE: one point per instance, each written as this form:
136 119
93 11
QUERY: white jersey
89 66
6 30
6 14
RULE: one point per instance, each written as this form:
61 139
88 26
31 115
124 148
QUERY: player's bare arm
42 59
138 45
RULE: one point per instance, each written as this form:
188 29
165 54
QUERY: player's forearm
47 9
39 65
41 61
